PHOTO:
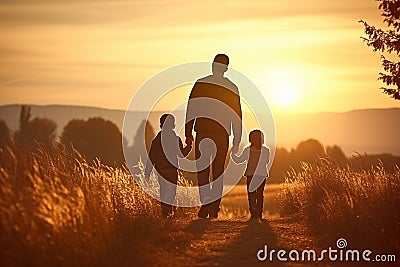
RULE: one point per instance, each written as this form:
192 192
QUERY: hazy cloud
65 50
170 13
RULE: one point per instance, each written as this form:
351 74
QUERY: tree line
313 152
97 138
92 138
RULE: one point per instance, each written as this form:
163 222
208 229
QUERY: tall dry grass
57 210
335 202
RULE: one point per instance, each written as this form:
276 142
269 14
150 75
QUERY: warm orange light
285 97
281 85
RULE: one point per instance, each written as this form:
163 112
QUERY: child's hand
234 149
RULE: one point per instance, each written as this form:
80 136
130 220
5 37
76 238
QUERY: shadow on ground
228 243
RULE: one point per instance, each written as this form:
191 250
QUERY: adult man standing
214 110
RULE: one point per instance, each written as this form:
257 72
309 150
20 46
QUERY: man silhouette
214 110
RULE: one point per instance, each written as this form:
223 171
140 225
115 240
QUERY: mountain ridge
361 130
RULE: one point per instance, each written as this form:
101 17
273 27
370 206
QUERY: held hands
235 158
235 149
189 140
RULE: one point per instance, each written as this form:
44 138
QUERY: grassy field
58 210
363 206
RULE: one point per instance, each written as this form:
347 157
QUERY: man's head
167 121
220 64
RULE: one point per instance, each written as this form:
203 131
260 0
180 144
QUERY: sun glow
285 96
282 84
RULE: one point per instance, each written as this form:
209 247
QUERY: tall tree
280 166
308 151
41 130
95 138
141 142
387 41
337 154
4 134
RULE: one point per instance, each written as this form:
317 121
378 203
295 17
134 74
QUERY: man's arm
241 158
188 131
185 150
237 123
190 120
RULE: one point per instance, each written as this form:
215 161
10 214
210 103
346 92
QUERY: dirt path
231 241
236 242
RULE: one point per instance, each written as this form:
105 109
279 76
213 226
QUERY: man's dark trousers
210 196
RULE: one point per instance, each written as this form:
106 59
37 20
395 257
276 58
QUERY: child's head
256 138
167 121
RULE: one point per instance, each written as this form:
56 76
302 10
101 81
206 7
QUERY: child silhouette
257 157
165 149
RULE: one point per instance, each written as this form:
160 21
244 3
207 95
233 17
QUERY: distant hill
371 130
62 114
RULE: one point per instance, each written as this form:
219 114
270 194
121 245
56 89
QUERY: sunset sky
304 55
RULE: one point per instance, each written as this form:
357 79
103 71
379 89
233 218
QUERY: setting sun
282 84
285 97
199 133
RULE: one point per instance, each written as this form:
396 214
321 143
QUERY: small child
165 149
257 157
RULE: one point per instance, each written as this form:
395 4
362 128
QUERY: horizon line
182 110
